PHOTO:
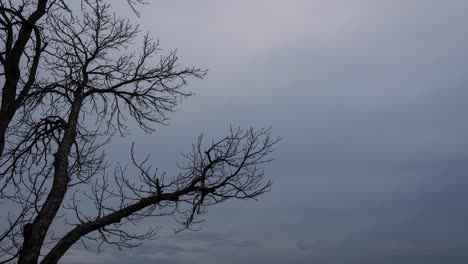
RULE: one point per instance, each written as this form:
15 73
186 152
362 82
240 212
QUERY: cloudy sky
370 98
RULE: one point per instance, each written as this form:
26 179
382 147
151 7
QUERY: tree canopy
72 79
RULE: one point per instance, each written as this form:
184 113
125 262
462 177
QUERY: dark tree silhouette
71 82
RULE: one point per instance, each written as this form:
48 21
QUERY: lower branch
83 229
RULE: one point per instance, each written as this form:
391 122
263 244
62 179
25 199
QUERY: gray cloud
370 98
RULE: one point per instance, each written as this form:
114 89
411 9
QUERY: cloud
370 98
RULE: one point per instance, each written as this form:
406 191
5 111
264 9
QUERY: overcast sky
370 98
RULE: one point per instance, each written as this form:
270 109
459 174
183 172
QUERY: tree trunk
3 127
35 232
12 71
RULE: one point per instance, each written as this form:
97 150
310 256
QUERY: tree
70 85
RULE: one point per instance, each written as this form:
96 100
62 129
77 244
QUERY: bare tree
82 85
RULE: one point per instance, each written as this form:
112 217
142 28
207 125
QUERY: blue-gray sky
369 97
